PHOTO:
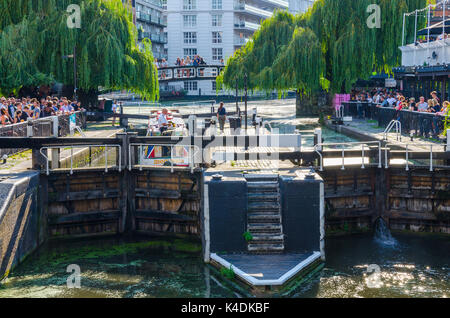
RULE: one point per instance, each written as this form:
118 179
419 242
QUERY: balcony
246 25
155 38
144 17
238 41
278 3
248 9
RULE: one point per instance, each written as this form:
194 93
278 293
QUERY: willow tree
105 47
332 43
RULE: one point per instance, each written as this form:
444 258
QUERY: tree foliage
34 38
331 44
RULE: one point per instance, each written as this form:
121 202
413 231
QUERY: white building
150 22
296 6
214 29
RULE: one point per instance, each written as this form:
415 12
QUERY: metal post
245 89
362 157
407 158
428 38
403 32
415 30
237 98
75 72
444 4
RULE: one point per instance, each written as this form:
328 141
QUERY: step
265 247
263 206
257 217
259 238
263 184
266 227
261 177
264 197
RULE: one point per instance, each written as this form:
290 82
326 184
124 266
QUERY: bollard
318 138
55 157
29 127
192 123
213 127
55 128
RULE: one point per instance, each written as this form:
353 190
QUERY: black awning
436 29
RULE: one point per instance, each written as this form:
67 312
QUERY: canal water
356 266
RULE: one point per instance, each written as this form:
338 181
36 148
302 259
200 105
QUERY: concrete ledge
287 276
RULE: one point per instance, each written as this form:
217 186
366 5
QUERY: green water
417 266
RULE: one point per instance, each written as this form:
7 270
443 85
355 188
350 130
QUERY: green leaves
34 37
329 47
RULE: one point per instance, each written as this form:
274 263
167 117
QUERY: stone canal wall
22 227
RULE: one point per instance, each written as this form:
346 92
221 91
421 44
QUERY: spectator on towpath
222 116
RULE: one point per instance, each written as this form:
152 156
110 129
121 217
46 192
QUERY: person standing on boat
222 116
114 110
163 123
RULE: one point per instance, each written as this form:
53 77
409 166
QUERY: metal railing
42 127
420 123
408 151
318 148
172 73
191 156
398 129
45 150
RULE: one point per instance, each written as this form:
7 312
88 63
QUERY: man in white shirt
163 123
422 106
114 110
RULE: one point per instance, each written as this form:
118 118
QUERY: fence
42 127
420 123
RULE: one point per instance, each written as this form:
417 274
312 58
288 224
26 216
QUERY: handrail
319 152
119 147
407 153
193 151
398 129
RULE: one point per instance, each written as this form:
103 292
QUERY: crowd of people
197 60
16 110
384 98
395 99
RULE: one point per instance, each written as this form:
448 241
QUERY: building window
214 85
190 37
216 37
217 54
191 52
216 20
190 86
189 4
164 4
189 21
217 4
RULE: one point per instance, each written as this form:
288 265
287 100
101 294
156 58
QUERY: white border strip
206 223
322 220
273 282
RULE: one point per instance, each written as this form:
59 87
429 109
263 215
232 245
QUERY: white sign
390 82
